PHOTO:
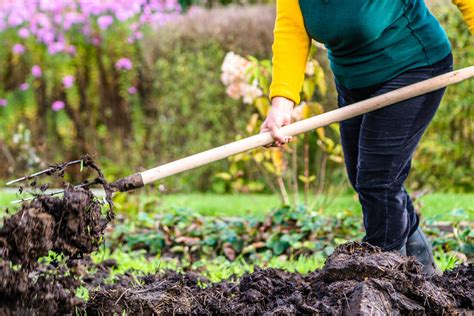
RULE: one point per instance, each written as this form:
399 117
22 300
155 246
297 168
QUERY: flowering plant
249 79
70 69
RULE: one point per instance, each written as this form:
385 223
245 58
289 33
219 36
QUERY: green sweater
373 41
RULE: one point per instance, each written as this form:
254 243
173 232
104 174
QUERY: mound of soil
72 225
47 290
356 279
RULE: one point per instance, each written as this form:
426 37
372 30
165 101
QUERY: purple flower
24 86
46 36
96 41
123 15
18 49
15 19
105 21
123 64
57 105
23 32
3 102
68 81
71 49
56 47
132 90
36 71
72 18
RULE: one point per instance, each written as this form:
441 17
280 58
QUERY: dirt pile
71 225
356 279
47 290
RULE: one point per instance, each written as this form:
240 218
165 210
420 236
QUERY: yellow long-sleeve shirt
355 35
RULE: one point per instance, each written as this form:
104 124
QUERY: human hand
279 116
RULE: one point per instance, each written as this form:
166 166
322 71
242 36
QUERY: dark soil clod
72 225
357 279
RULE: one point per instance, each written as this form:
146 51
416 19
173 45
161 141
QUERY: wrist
283 103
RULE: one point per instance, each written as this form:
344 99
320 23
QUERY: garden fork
140 179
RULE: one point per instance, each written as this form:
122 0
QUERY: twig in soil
123 293
149 289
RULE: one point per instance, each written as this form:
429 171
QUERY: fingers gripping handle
297 128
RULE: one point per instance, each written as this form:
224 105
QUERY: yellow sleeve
290 51
467 9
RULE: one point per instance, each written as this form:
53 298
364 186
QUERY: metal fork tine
41 172
34 197
53 193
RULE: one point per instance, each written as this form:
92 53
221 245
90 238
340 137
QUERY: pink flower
57 105
68 81
24 86
23 32
105 21
56 47
132 90
138 35
71 50
95 41
123 15
15 19
46 36
18 49
123 64
36 71
3 102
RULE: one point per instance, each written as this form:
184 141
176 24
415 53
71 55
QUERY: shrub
187 110
444 158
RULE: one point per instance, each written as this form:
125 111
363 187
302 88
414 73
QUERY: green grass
243 204
433 205
6 198
216 269
436 205
219 268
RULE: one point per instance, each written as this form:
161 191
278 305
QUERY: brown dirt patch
71 225
356 279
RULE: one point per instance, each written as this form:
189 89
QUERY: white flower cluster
235 78
297 113
310 68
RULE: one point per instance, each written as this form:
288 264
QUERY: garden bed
355 278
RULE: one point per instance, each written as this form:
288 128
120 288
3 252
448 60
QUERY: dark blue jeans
378 149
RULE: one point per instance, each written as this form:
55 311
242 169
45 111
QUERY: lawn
434 205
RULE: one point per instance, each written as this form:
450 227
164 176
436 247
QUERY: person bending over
374 47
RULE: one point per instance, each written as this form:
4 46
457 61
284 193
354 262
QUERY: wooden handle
303 126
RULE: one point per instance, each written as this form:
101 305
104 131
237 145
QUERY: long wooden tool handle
246 144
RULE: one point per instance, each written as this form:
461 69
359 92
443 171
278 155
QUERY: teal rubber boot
419 247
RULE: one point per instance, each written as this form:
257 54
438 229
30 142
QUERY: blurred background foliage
170 102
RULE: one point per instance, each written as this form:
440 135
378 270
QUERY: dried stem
294 172
306 167
283 192
322 173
